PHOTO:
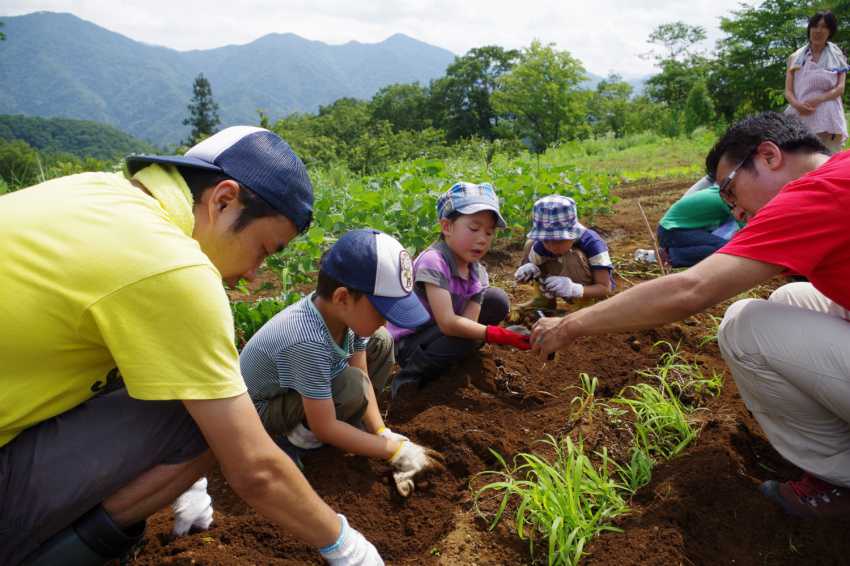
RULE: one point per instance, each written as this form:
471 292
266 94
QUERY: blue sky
606 35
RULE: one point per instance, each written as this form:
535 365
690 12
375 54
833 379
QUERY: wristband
343 532
397 450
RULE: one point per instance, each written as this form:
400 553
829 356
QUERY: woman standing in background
813 89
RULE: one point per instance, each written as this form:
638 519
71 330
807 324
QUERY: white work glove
385 432
527 272
351 549
560 286
411 459
193 509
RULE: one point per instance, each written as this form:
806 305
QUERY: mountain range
56 64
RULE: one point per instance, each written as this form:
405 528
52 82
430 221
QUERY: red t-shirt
806 229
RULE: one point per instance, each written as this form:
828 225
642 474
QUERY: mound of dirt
700 508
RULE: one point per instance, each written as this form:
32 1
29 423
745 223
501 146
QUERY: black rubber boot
92 540
419 370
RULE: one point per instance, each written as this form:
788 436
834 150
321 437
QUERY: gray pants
790 357
441 350
54 472
349 389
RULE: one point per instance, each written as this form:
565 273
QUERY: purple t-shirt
437 266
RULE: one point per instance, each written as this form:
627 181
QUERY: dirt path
700 508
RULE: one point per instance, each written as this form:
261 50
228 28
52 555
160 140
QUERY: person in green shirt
696 226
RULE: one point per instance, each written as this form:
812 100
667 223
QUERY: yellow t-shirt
97 278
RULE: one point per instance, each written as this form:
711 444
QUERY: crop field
625 449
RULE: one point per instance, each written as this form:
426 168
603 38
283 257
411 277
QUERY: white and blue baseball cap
376 264
256 158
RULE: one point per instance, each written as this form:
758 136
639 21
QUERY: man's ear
222 195
772 155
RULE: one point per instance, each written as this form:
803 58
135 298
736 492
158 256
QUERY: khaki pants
349 389
790 357
573 264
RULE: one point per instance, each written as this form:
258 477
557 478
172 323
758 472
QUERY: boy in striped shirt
315 370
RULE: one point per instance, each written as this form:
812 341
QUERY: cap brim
404 312
136 162
473 208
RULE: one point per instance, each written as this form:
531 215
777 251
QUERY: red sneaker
809 497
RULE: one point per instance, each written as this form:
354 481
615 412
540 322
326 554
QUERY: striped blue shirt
295 350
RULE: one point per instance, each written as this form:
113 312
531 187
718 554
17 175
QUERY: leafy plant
686 379
662 423
586 400
564 499
637 472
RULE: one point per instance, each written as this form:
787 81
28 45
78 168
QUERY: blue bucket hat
256 158
469 198
555 218
375 263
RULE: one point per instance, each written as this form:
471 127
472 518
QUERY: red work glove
499 335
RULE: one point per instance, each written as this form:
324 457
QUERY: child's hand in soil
527 272
193 509
411 460
564 287
390 434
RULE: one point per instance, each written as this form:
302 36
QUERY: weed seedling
564 499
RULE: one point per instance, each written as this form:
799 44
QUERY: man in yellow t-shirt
120 379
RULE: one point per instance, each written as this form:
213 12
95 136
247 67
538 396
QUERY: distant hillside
82 138
59 65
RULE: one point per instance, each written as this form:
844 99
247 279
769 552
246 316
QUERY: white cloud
606 35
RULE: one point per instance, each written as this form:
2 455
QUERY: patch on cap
405 273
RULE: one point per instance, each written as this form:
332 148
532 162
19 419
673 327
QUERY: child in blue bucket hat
564 258
453 285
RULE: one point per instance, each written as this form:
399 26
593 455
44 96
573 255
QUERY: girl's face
558 247
469 235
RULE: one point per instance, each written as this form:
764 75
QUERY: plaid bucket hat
469 198
555 219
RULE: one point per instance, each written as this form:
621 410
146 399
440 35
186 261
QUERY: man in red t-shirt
789 355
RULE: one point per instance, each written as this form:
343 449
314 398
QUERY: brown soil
700 508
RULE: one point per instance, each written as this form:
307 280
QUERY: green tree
699 108
203 111
541 95
20 164
404 106
460 101
678 38
680 63
609 106
2 35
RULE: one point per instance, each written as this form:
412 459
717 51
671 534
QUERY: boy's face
469 236
362 317
558 247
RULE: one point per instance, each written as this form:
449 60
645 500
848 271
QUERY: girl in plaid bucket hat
453 285
564 258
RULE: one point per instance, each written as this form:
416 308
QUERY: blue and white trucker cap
257 158
375 263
